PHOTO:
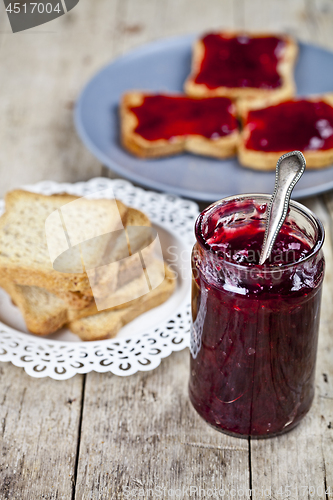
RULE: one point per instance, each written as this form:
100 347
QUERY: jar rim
306 212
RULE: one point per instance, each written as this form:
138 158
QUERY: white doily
137 350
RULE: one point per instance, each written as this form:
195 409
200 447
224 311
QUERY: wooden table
101 436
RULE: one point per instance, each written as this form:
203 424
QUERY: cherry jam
292 125
254 328
240 61
165 117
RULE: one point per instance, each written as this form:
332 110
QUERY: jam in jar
254 327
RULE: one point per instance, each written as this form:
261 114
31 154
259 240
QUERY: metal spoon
289 169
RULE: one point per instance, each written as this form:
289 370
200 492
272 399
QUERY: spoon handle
289 169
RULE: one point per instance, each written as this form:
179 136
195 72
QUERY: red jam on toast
240 61
302 125
165 117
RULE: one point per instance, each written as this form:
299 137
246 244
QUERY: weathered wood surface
39 431
137 432
302 458
143 434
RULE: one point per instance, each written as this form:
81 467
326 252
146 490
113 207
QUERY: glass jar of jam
254 327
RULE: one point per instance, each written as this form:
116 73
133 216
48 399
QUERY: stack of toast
242 72
94 287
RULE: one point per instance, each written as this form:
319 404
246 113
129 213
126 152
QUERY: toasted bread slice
156 125
269 131
242 65
119 269
116 250
107 324
25 252
44 312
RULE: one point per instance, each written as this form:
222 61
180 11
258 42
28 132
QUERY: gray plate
163 66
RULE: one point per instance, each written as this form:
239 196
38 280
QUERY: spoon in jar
289 169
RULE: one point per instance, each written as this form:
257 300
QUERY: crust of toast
44 312
221 147
261 160
285 70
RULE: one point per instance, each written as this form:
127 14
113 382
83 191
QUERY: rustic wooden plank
45 69
319 16
196 17
325 365
307 20
282 16
301 459
38 435
141 433
137 23
299 18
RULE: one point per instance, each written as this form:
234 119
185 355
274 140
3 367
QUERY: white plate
141 344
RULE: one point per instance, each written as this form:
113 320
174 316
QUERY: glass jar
254 328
